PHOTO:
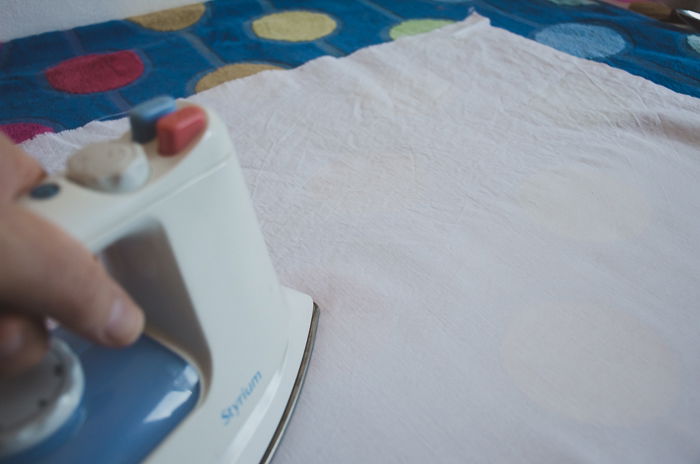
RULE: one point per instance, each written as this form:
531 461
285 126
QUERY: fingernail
124 324
11 344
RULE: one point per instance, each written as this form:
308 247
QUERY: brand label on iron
235 409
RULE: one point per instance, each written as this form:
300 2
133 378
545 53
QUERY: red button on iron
176 130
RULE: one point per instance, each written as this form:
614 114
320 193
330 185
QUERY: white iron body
188 248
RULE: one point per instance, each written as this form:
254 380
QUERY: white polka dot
595 365
586 205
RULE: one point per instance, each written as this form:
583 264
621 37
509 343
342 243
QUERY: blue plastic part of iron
133 398
45 191
143 117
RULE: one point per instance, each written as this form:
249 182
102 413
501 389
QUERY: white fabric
503 240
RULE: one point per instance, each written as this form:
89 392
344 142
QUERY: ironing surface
507 266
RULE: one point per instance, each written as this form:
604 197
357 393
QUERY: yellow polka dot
171 20
231 72
294 26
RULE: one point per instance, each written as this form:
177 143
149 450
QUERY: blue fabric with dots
582 40
657 51
175 61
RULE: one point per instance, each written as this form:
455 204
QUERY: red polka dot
95 73
21 131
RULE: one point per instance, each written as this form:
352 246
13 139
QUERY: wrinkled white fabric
503 241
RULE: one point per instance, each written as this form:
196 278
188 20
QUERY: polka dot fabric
95 72
62 80
294 26
582 40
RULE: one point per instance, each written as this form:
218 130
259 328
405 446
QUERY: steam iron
218 373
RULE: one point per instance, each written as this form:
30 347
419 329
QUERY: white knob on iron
37 403
113 166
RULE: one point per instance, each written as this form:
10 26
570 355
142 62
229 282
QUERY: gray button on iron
113 166
39 402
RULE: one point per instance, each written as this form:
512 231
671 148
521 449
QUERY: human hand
45 273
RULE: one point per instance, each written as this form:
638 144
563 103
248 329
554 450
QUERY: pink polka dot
98 72
21 131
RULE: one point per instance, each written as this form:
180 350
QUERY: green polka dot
694 42
416 26
294 26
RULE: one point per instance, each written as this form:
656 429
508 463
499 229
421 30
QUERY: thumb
44 272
